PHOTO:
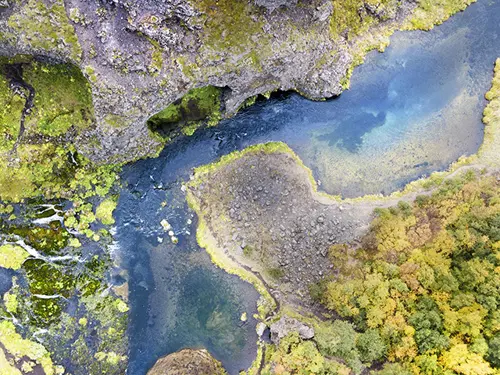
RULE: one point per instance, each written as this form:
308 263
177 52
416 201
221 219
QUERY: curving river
410 111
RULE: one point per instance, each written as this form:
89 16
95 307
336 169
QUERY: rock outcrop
287 325
187 362
141 56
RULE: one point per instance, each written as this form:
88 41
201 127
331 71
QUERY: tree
371 346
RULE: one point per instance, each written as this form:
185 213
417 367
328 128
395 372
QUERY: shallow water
410 111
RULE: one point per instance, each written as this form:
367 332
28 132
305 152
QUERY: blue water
412 110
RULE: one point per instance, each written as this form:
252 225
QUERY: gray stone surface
287 325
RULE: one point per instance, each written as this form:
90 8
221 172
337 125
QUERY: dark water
410 111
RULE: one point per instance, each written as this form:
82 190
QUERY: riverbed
410 111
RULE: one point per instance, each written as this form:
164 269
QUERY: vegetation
422 291
488 153
12 256
35 159
354 17
62 99
54 272
199 106
27 351
104 211
231 26
44 28
432 12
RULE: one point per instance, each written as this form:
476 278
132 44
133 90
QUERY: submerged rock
287 325
187 362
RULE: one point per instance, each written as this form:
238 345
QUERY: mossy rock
188 362
197 107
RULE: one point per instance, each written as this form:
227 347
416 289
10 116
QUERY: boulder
188 362
287 325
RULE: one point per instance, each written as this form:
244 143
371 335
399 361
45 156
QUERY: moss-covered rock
44 108
199 106
45 28
187 362
12 256
62 99
21 351
104 211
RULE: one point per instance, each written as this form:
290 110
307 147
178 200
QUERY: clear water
410 111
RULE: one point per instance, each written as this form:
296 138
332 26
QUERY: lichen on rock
187 362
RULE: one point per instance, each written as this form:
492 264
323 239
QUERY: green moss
352 17
46 240
104 211
435 12
62 99
46 28
232 26
12 256
53 171
90 72
47 280
11 107
10 301
199 106
276 273
156 57
18 347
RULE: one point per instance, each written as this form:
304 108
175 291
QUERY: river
410 111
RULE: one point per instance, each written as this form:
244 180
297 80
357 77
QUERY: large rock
188 362
286 325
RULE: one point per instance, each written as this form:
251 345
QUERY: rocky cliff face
140 56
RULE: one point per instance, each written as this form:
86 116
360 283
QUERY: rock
287 325
187 362
261 327
274 4
166 225
244 317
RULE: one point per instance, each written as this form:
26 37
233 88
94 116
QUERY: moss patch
42 163
199 106
435 12
62 100
53 171
46 28
11 107
12 256
232 26
354 17
18 347
104 211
